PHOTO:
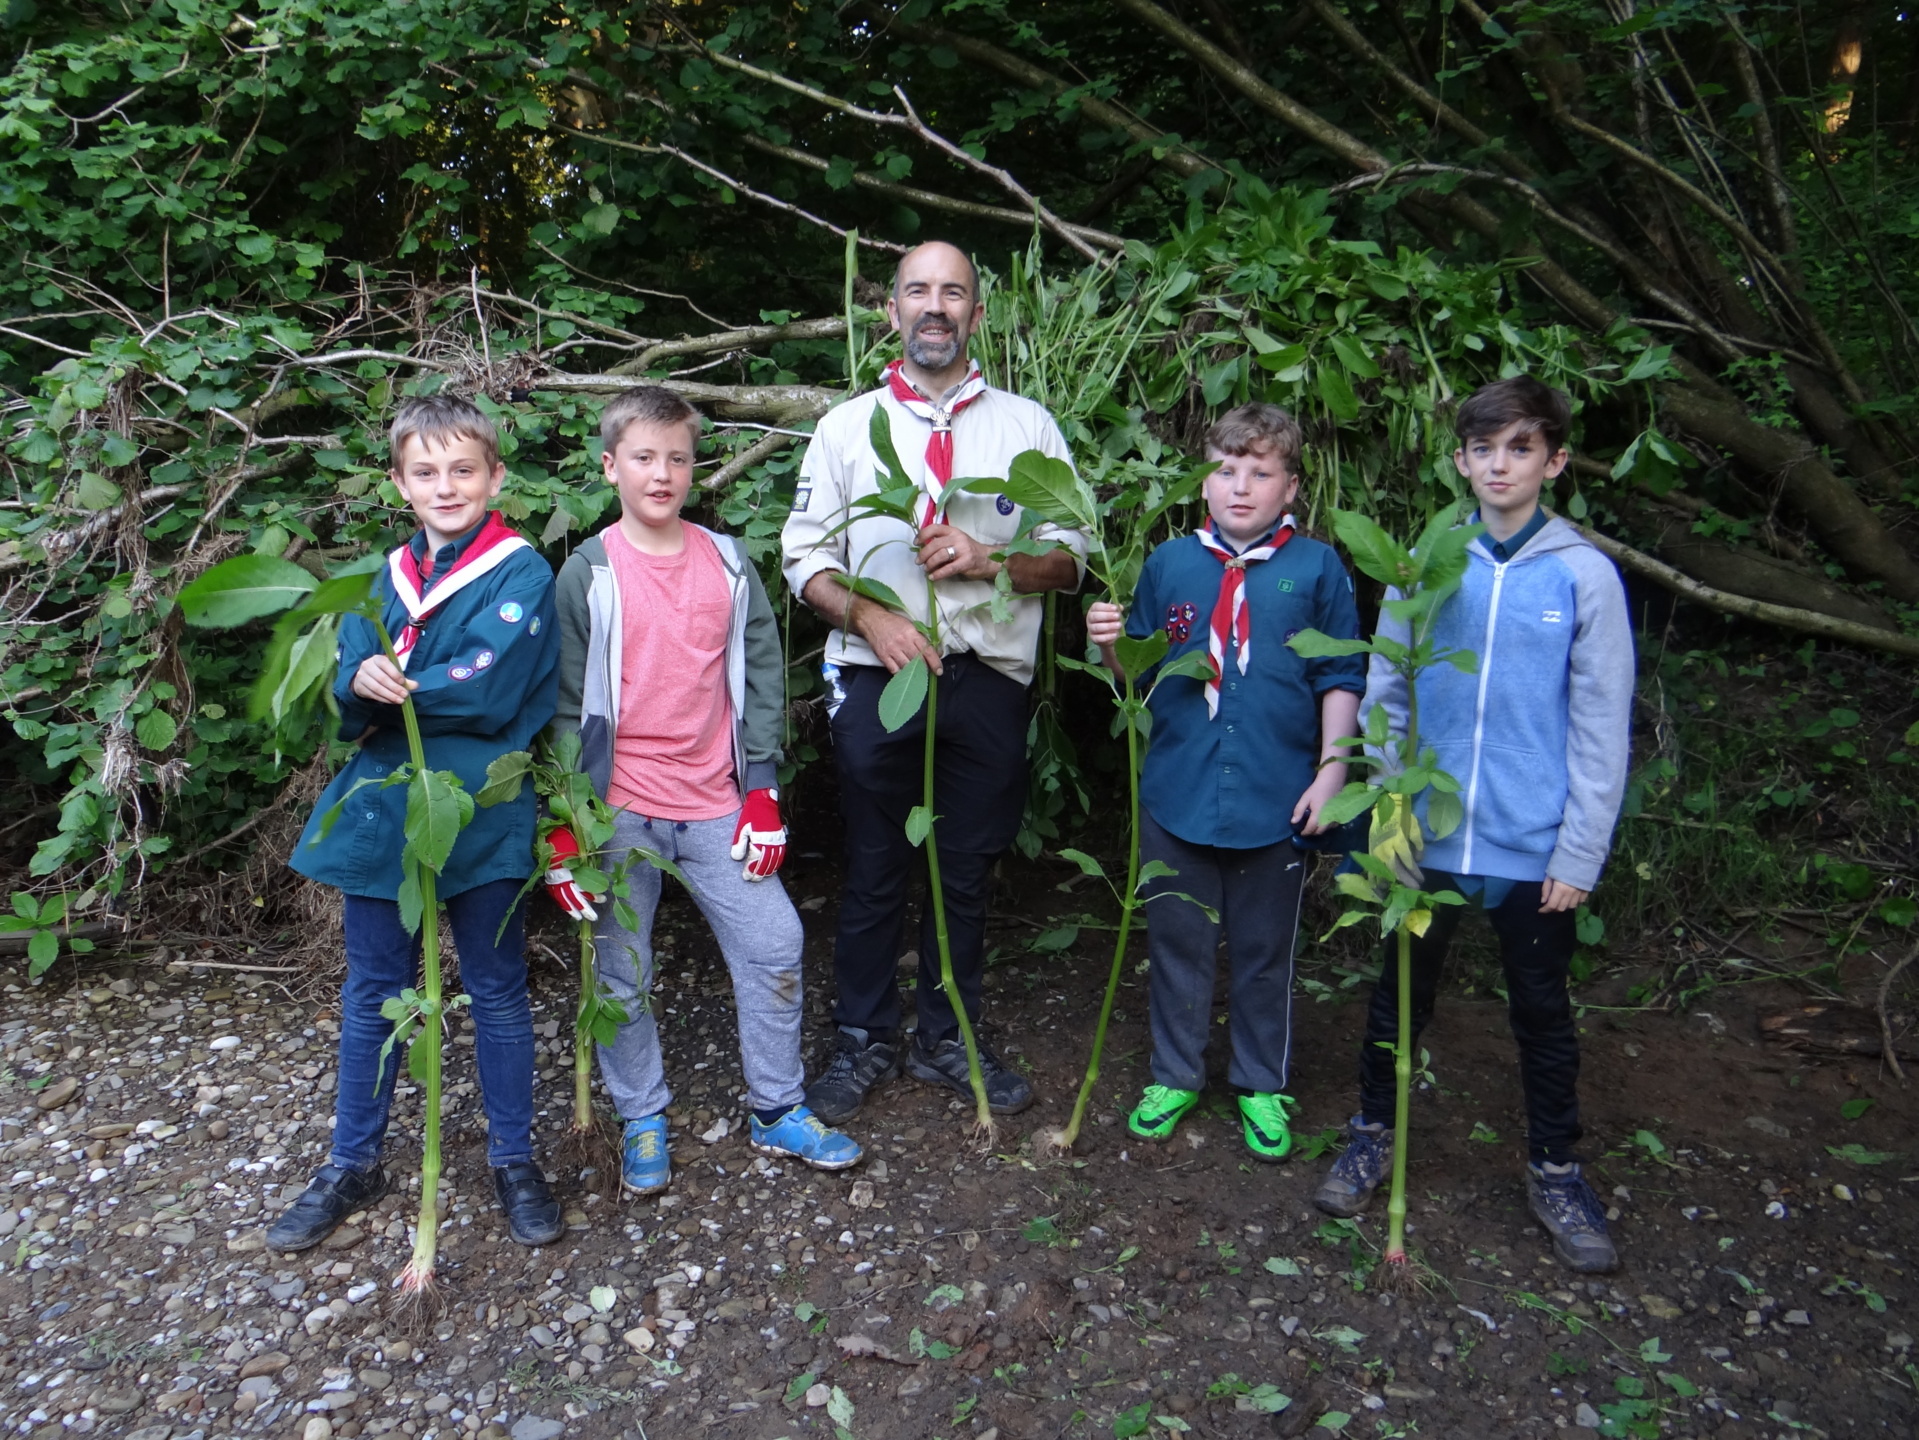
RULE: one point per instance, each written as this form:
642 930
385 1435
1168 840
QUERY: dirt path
937 1291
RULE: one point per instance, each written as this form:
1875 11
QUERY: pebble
536 1427
58 1093
318 1428
640 1338
1587 1416
231 1042
817 1395
271 1363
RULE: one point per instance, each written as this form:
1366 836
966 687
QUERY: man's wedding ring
952 551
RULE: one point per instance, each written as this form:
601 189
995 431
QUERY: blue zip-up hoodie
1539 737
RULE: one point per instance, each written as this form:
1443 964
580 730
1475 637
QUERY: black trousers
979 794
1536 951
1256 893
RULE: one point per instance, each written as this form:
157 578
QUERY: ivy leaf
96 492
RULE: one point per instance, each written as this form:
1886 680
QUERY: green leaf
1315 644
1353 357
1045 485
839 1409
1858 1154
1087 864
1444 814
96 492
1337 391
1373 550
879 434
295 669
436 811
1195 664
419 1055
156 729
504 778
919 824
874 590
42 950
1282 1265
904 694
1853 1109
1137 656
602 219
1051 942
242 589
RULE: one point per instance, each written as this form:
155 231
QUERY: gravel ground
152 1120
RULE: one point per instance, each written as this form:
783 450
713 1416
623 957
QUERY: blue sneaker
801 1134
644 1165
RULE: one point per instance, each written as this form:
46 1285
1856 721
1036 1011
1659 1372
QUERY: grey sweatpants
759 934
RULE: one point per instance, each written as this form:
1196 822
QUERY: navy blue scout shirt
1232 781
488 666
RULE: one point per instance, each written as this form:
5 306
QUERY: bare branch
725 179
1807 622
929 198
767 445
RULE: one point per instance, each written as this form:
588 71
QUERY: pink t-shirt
673 751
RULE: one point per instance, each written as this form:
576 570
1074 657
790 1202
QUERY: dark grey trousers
1257 894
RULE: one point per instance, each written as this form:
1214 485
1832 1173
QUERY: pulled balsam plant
298 674
572 803
915 685
1388 881
1046 489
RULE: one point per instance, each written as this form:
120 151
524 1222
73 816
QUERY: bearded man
945 422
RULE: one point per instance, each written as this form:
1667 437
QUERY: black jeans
979 794
1536 951
1256 893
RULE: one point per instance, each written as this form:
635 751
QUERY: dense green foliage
237 233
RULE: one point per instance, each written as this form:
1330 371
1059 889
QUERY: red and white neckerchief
939 448
490 547
1230 616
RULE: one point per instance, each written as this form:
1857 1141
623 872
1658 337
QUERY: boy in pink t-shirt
671 672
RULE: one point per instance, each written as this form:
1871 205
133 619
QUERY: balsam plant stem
936 897
583 1034
1129 902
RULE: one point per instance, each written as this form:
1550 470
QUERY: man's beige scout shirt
840 466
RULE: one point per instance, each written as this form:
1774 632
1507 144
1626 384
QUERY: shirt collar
448 555
1504 550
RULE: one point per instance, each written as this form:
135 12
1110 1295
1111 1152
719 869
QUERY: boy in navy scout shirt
1539 737
469 605
1239 765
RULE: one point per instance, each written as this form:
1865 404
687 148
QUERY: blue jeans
382 959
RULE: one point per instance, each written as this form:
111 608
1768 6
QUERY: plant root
984 1135
596 1149
420 1305
1400 1275
1053 1143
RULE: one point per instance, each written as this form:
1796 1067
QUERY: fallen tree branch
1807 622
782 404
1885 1018
744 338
771 443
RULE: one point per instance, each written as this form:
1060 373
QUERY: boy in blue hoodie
1539 739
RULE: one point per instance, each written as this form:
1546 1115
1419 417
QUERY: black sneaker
1007 1092
1564 1203
858 1064
532 1214
329 1198
1366 1160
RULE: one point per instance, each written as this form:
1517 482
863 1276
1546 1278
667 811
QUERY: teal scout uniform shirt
488 667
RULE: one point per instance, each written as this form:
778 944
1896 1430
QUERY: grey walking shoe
1366 1160
859 1063
1564 1203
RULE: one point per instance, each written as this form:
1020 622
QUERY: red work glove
760 837
575 902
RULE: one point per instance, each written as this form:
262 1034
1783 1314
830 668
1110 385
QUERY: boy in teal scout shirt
1239 767
470 607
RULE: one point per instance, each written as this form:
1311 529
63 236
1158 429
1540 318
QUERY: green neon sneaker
1263 1120
1159 1111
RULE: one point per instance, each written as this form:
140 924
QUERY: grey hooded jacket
591 648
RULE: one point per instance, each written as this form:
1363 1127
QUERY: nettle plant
572 803
298 673
1047 489
1388 884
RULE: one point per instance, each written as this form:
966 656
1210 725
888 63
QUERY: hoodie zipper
1479 714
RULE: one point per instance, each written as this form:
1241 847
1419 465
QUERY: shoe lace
1159 1097
647 1144
1573 1202
1268 1111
